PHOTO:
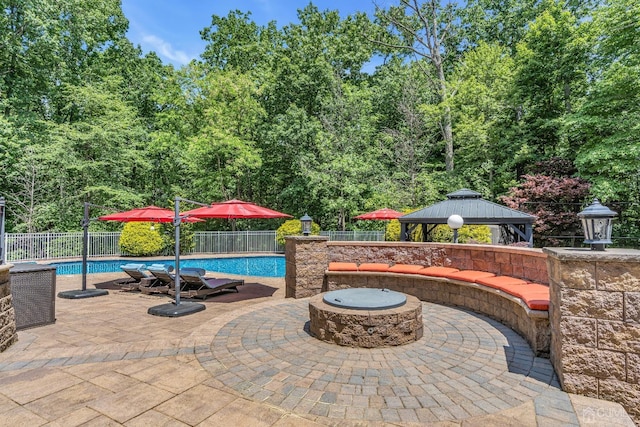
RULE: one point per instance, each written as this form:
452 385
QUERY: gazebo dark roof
474 210
471 207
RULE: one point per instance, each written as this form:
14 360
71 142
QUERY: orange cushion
373 266
536 300
530 288
469 275
498 281
437 271
343 266
405 268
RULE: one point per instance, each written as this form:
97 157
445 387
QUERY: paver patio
249 360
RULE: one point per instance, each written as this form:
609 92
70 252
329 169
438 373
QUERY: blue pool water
264 266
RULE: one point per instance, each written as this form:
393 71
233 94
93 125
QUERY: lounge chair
137 275
194 284
164 279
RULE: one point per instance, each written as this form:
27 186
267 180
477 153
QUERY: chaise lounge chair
164 279
137 275
194 284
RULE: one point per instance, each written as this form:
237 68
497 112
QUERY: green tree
551 77
482 107
422 30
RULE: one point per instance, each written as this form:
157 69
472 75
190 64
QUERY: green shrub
467 234
293 227
138 239
442 233
187 238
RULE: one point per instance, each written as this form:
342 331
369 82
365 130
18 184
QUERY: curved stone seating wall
533 325
524 263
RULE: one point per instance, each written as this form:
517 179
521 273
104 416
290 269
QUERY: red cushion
469 275
498 281
343 266
373 266
437 271
405 268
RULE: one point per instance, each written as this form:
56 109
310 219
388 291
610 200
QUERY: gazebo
514 225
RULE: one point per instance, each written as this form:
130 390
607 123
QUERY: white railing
354 236
217 242
39 246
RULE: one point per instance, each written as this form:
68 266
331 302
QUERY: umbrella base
173 310
80 294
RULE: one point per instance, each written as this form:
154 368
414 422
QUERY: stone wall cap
312 238
586 254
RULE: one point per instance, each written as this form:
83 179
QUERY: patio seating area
248 359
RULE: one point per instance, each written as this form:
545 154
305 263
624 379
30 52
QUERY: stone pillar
7 315
307 259
594 314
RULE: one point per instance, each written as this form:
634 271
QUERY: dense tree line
329 115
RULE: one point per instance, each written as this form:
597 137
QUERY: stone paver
248 359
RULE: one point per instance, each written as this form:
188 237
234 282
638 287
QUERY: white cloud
164 49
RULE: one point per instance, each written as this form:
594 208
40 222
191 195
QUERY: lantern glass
597 225
306 221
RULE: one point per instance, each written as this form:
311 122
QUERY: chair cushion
498 281
437 271
469 275
193 271
373 266
133 266
343 266
405 268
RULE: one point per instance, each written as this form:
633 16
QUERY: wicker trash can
33 289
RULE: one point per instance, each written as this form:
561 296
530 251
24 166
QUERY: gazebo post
403 231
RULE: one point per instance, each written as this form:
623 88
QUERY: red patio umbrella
234 209
380 214
148 214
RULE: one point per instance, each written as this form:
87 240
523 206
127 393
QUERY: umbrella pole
176 223
85 244
176 309
84 292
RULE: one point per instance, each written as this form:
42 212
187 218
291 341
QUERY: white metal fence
40 246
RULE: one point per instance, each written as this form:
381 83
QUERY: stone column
306 258
7 315
594 314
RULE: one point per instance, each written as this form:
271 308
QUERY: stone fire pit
363 317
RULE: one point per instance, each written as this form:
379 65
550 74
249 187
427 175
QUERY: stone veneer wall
595 323
525 263
306 260
7 314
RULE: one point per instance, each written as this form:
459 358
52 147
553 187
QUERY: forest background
533 103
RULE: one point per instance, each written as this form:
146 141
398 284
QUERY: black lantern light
597 225
306 224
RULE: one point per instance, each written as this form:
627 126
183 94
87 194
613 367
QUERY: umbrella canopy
148 214
234 209
382 214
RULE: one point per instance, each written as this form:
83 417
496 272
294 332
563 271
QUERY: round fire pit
364 317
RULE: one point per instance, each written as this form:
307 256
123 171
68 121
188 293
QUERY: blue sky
172 28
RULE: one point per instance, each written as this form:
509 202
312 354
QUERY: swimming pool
264 266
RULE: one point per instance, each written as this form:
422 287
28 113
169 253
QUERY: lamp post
455 222
306 221
597 225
